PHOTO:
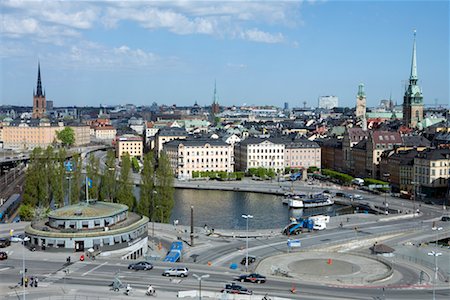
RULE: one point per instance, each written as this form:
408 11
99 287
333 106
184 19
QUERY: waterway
224 209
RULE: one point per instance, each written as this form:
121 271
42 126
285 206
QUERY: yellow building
130 143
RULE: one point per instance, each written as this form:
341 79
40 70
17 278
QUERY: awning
117 239
106 241
125 237
97 242
50 241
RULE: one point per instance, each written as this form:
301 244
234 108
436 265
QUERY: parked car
340 194
4 242
251 259
445 218
3 255
236 289
180 272
142 265
358 197
253 277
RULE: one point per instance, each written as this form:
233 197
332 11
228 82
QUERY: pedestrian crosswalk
60 274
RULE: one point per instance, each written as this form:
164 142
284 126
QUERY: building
399 164
265 153
103 226
187 156
104 133
302 153
360 112
168 134
432 172
331 154
215 108
352 136
413 98
131 144
328 102
82 134
39 103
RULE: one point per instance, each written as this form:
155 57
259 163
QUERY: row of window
198 160
266 150
198 153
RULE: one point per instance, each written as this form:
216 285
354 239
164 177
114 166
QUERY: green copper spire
414 62
361 92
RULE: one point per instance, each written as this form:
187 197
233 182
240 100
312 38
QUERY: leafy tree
125 189
66 136
147 195
75 182
108 186
313 169
26 212
92 169
164 187
135 164
58 176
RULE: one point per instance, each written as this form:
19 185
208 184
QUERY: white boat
290 196
318 200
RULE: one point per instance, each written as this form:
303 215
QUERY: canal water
224 209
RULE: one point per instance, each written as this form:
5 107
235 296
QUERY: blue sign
89 182
294 243
69 166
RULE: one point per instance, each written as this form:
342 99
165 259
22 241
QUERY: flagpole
87 190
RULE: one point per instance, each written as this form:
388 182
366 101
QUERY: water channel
223 209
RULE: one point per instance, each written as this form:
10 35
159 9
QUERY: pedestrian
31 281
26 281
36 282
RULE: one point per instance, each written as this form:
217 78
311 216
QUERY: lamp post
414 198
246 255
386 205
25 239
435 254
199 278
437 229
151 214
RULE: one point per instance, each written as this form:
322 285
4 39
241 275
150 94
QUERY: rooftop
82 210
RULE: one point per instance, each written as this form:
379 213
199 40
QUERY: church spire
413 75
215 100
39 83
361 92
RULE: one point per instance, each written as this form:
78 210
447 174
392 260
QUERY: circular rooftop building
102 226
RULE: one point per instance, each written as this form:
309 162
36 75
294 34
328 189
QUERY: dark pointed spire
39 83
413 75
215 99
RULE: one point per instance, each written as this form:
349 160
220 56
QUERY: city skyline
263 52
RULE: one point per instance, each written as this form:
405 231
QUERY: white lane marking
93 269
3 269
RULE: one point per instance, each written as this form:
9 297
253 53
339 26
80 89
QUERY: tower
413 99
39 102
215 108
360 102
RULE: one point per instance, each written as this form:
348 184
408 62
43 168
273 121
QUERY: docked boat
317 200
290 196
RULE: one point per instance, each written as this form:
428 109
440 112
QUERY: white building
187 156
265 153
328 102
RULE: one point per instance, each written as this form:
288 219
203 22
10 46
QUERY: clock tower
413 99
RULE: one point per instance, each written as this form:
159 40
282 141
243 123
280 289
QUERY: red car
3 255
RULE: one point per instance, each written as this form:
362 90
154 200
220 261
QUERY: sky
258 52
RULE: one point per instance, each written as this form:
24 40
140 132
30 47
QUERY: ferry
317 200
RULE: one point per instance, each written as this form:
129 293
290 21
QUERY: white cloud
256 35
236 66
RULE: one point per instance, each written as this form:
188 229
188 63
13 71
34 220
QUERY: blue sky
260 52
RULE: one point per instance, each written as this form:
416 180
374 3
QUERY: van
319 226
358 181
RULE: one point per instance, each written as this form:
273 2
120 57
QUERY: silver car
180 272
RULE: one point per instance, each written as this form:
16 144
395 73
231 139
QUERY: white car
17 238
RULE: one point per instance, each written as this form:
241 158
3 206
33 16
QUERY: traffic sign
294 243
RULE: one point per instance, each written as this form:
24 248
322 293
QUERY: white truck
320 221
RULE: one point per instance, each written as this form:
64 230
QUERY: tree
164 187
92 169
125 189
135 164
26 212
108 185
75 182
58 176
147 195
66 136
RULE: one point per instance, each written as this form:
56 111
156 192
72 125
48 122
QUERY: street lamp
414 197
199 278
437 229
246 255
151 214
435 254
25 239
386 205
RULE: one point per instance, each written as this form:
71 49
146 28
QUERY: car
340 194
142 265
358 197
253 277
251 259
179 272
236 289
3 255
17 238
4 242
445 218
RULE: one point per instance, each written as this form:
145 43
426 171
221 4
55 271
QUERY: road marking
93 269
3 269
